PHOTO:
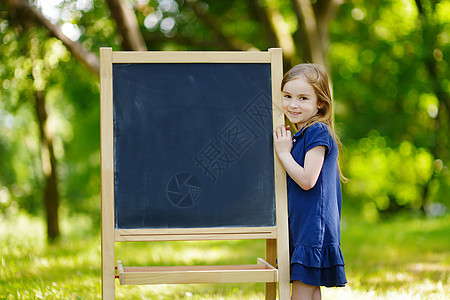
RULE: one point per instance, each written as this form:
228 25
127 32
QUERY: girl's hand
306 176
282 140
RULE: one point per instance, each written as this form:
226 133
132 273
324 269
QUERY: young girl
310 158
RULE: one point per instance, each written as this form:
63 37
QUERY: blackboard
193 145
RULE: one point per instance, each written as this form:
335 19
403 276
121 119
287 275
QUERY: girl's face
299 101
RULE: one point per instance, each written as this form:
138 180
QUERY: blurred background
389 64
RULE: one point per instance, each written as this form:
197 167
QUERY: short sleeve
317 135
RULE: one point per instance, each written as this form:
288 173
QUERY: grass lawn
401 258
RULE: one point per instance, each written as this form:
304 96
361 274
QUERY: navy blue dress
314 215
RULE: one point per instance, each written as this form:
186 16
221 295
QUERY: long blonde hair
318 78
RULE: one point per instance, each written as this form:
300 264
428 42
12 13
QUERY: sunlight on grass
404 258
401 258
193 291
33 270
189 253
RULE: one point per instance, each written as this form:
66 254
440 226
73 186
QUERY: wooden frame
276 237
186 234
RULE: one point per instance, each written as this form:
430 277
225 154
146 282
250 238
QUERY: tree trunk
127 25
260 14
431 59
51 195
313 20
307 21
281 31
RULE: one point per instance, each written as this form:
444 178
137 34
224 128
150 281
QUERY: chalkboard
193 145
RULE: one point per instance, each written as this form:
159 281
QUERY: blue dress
314 215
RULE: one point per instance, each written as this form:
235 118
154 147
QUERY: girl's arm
307 176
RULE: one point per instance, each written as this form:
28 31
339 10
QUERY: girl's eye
303 98
287 96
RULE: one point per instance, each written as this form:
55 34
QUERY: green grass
401 258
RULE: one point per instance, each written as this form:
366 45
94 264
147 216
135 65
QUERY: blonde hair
317 77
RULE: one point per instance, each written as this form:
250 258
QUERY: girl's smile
299 101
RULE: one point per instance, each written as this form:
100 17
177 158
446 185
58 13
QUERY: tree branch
89 59
231 42
156 38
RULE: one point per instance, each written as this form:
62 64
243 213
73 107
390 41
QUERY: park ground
401 257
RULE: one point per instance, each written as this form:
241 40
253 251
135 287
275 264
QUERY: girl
313 184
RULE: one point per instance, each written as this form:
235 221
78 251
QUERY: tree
390 74
39 72
388 61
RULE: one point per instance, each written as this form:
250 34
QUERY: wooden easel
274 269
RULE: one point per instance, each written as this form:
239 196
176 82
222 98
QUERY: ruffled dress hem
318 257
318 266
328 277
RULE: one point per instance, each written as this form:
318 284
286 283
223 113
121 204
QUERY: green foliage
34 62
80 167
398 177
384 59
21 175
396 121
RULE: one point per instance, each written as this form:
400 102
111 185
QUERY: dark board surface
193 146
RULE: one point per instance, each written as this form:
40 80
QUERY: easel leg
108 268
108 287
284 286
106 107
271 257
